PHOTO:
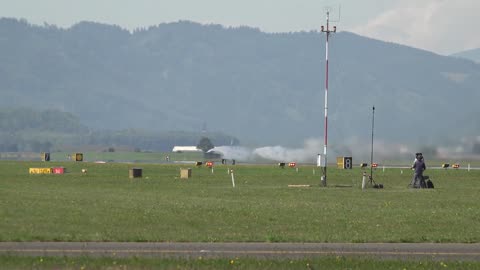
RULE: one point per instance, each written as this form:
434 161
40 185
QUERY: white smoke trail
275 153
279 153
359 149
235 152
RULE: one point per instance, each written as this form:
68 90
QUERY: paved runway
401 251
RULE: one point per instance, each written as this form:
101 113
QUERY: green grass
105 205
129 156
117 156
331 263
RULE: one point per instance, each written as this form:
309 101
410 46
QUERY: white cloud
441 26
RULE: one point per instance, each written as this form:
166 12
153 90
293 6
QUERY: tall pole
371 153
327 31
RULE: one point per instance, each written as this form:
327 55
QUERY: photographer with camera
418 166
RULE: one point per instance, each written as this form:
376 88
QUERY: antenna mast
327 31
371 153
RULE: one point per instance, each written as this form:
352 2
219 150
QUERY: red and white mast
327 31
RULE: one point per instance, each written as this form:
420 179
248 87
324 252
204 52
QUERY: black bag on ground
429 183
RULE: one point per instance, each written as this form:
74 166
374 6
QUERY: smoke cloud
359 149
307 154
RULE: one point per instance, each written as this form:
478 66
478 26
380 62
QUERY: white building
180 149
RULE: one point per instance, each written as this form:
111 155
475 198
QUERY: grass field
331 263
105 205
151 157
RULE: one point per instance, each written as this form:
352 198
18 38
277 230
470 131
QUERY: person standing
412 167
418 166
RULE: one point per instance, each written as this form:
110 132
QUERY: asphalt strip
399 251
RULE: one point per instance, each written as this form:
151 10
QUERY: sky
440 26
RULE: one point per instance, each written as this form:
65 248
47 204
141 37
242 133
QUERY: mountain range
473 54
262 88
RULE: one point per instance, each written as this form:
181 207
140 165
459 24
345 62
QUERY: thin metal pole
327 31
325 131
371 153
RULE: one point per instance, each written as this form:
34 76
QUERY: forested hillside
473 55
24 129
260 88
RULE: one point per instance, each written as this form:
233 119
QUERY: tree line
27 130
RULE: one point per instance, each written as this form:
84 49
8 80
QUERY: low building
182 149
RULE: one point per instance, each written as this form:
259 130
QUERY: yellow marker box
40 170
